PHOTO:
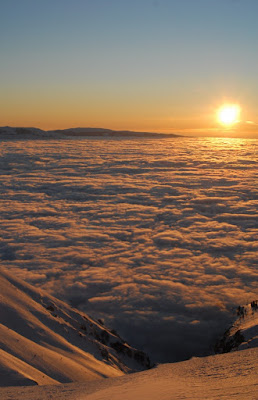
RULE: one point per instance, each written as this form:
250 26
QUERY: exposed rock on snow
243 333
45 341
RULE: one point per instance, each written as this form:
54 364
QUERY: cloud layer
158 237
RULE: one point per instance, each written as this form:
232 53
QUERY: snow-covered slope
45 341
243 333
224 376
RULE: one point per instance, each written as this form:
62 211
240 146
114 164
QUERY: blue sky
127 64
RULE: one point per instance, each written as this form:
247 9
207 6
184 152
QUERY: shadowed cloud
158 238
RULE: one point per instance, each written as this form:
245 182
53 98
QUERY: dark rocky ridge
22 132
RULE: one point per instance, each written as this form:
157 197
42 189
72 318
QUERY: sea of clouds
157 237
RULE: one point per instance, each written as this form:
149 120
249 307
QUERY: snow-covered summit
243 333
45 341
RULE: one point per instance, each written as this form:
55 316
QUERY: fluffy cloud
159 238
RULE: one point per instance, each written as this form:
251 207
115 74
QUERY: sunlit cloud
150 236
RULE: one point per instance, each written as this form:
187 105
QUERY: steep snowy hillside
224 376
243 333
45 341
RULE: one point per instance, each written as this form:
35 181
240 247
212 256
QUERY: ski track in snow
157 237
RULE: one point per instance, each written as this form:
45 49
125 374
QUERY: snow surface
228 376
45 341
249 328
243 333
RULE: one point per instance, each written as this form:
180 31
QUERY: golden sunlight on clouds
228 114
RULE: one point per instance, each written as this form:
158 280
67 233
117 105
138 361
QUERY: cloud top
158 238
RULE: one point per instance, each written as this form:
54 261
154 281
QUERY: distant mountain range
20 132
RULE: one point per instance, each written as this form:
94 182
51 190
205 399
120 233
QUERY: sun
228 114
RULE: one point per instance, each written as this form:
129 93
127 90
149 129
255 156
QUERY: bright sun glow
228 114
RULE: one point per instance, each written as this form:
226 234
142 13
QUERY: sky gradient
162 66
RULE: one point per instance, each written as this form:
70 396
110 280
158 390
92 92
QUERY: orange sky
161 66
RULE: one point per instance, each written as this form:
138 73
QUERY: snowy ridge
45 341
243 333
